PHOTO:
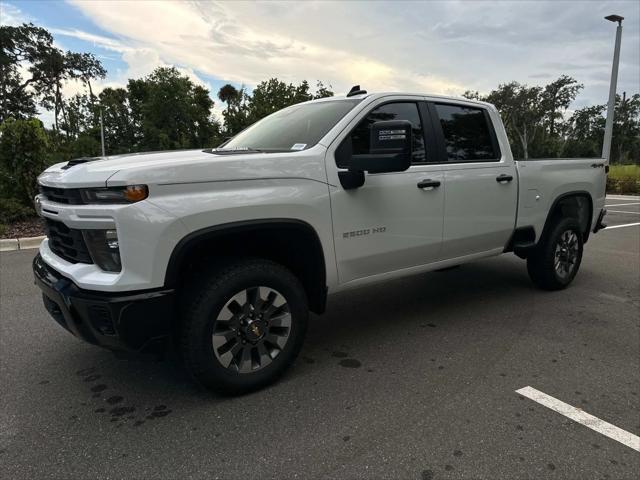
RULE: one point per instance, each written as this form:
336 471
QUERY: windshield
294 128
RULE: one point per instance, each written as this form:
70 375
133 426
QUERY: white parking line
582 417
623 197
622 204
622 211
621 226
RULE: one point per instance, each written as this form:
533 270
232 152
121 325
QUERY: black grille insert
66 242
69 196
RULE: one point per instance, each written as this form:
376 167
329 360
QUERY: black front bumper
134 321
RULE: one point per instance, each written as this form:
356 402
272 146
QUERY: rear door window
468 134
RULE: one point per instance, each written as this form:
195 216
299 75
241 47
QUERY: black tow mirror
390 146
390 150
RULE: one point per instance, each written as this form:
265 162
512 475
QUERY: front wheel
556 259
243 325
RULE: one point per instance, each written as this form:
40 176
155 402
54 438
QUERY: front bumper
133 321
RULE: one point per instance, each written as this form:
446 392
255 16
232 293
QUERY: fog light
104 249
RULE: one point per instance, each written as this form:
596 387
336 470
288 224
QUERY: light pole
608 129
102 132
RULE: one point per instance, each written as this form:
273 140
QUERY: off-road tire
541 263
208 293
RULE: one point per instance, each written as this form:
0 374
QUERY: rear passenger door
481 185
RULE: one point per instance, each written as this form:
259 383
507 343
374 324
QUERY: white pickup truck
223 252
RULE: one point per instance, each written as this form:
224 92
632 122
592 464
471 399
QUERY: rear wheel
556 259
243 325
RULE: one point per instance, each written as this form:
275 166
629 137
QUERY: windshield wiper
235 150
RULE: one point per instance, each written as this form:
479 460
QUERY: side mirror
390 150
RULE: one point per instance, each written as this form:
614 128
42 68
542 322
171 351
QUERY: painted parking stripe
582 417
623 197
622 211
621 226
622 204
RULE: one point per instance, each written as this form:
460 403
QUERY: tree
522 112
556 99
24 149
227 94
24 45
169 111
531 114
30 48
585 132
322 91
626 129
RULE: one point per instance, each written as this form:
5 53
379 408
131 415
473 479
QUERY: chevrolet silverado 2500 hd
223 252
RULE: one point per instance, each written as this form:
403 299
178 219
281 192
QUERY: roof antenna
355 90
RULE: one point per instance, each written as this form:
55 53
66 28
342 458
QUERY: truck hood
186 166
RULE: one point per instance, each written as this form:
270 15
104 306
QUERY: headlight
104 249
128 194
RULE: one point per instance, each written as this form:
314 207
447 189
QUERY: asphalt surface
414 379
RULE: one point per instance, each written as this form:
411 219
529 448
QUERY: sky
443 47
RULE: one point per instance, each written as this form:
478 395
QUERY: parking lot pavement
414 378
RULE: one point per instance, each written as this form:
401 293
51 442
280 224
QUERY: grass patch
624 179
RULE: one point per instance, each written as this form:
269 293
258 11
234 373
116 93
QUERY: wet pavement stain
339 354
551 466
426 475
457 453
99 388
350 363
160 414
92 378
85 371
346 438
120 411
115 399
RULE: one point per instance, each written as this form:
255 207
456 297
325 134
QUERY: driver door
394 220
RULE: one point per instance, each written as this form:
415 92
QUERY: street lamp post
608 129
102 132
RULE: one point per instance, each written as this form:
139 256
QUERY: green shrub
24 149
11 210
624 179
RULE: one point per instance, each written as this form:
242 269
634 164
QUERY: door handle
597 165
428 183
504 178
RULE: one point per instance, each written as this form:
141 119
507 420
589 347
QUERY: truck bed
545 180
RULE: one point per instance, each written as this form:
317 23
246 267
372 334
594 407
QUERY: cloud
11 15
229 41
438 47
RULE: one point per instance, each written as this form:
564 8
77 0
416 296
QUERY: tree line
167 110
539 126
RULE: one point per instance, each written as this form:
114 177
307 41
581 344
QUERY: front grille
66 242
70 196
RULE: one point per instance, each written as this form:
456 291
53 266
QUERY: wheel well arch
292 243
576 204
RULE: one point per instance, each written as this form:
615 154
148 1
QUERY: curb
27 243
